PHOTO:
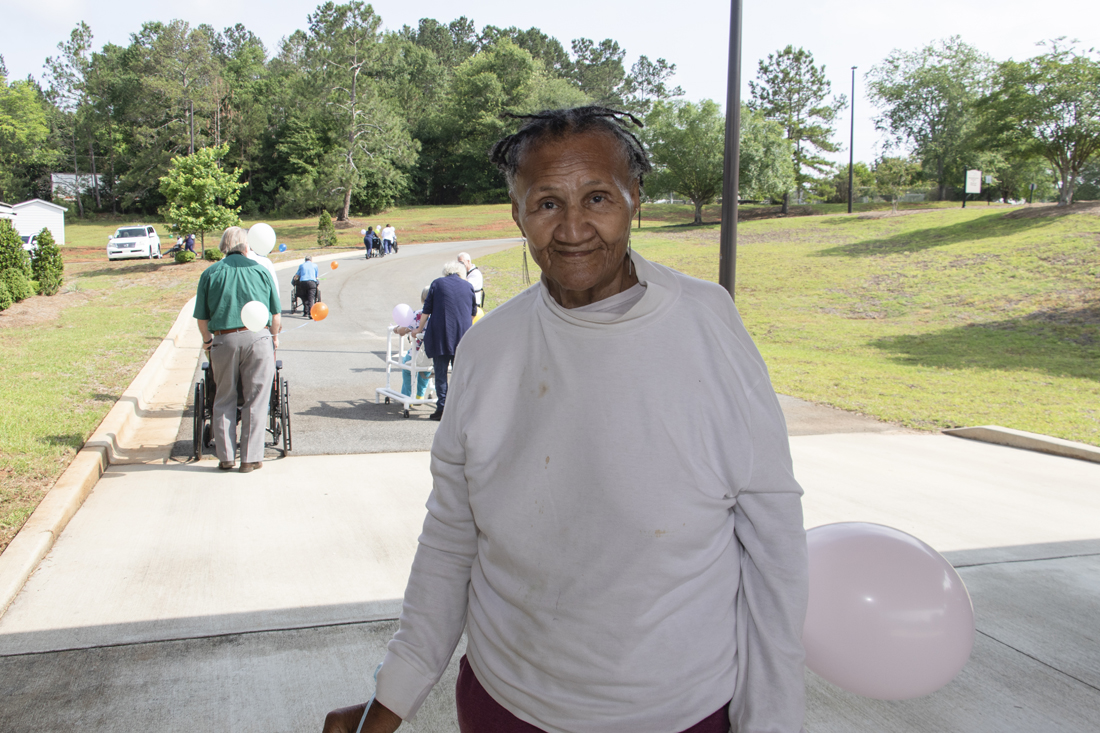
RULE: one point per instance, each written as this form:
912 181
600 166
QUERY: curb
1028 441
103 448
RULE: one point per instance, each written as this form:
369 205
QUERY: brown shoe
250 467
226 465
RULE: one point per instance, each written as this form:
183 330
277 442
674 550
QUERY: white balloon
254 315
363 232
261 239
403 315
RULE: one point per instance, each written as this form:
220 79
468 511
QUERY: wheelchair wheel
284 415
200 425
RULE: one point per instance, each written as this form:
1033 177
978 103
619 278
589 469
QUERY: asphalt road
334 366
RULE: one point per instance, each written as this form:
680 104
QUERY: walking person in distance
307 284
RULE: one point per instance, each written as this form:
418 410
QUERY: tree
1088 186
200 193
834 190
794 92
598 70
12 254
68 91
687 143
167 71
344 53
24 136
766 168
15 269
927 100
894 176
47 266
326 231
1048 106
497 81
648 83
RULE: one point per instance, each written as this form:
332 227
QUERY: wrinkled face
574 200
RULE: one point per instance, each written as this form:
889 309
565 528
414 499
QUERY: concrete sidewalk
184 598
246 602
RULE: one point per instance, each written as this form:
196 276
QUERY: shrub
12 253
326 231
47 266
184 256
18 284
5 297
213 255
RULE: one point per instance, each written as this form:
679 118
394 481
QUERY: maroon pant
478 712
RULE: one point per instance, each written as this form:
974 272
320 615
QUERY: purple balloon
889 618
403 315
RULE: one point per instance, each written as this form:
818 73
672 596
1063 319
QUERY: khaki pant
246 359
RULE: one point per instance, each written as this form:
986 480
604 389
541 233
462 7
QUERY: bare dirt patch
39 309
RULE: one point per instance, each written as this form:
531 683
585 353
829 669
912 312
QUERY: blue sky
693 34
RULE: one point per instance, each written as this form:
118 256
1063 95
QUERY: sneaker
250 467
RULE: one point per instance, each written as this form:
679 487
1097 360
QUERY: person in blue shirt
450 308
307 284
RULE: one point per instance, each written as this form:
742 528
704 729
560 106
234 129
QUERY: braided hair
509 152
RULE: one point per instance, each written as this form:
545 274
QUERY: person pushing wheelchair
238 356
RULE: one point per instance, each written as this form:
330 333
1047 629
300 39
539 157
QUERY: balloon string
369 702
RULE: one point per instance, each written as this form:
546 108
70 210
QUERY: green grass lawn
70 356
414 224
67 359
930 319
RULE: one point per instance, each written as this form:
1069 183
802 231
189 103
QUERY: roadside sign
989 179
973 182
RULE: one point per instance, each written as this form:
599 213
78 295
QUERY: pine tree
326 230
12 254
47 266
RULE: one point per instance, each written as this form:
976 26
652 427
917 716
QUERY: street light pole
852 141
727 242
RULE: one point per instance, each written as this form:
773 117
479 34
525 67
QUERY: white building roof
37 202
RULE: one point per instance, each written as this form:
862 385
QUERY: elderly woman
450 308
620 559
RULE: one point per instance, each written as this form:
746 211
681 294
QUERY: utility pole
727 247
852 141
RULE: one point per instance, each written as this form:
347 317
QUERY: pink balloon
888 618
403 315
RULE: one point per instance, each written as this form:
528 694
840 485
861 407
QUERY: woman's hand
346 720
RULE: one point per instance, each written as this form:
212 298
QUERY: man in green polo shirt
237 355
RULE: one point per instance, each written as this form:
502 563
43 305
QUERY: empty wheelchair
278 411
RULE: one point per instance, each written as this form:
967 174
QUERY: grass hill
929 319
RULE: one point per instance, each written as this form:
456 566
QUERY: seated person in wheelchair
416 349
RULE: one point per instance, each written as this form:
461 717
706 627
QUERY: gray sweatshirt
614 521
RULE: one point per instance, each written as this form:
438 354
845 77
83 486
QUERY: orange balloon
334 264
319 311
